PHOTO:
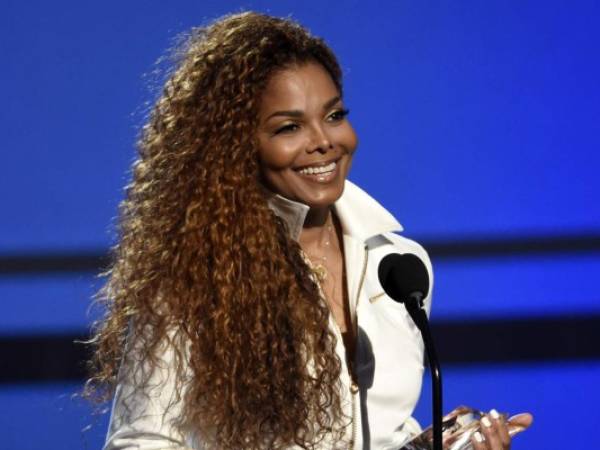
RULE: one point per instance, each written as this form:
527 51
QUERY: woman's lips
320 173
310 170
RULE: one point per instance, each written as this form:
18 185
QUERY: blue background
476 120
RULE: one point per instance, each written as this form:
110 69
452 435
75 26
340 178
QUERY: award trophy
457 429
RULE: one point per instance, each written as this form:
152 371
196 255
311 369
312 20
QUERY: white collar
360 215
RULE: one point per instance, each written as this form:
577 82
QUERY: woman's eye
338 115
287 128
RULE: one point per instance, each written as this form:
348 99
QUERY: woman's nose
320 140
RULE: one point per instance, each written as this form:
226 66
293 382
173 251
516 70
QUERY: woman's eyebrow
299 113
288 113
332 102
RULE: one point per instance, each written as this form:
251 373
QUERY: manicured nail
478 437
494 414
486 422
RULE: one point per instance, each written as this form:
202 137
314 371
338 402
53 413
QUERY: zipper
353 386
360 285
353 392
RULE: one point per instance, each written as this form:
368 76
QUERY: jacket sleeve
146 406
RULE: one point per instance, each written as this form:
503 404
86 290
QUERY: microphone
405 279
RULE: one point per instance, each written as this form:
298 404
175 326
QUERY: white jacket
389 349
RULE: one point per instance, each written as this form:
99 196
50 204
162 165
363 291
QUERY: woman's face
305 140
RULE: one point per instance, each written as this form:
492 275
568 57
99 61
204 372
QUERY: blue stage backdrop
478 125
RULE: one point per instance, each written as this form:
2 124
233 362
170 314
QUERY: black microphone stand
414 306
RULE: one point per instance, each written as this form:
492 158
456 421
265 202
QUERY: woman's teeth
316 170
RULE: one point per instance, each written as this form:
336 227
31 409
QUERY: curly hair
203 264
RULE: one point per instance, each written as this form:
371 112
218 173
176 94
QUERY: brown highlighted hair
204 266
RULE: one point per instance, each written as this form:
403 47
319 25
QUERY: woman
244 309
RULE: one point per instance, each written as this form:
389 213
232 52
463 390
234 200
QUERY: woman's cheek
282 155
351 139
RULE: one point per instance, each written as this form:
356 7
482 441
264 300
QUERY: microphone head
403 275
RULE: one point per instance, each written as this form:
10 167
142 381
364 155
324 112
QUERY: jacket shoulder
391 242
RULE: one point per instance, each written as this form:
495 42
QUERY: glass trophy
457 429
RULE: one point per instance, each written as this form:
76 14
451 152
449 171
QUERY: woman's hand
495 431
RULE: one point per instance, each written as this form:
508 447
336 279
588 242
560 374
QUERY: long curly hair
203 265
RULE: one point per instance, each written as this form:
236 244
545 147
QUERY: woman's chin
322 199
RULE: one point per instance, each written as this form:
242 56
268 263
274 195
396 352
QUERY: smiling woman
244 308
305 142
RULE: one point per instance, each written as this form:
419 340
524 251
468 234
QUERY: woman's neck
317 226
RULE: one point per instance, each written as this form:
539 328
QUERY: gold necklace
320 268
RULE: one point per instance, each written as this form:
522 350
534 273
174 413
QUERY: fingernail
494 414
478 436
485 421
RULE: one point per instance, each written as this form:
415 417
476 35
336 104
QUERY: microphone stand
414 306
